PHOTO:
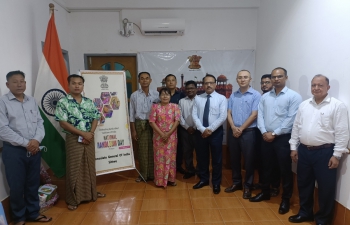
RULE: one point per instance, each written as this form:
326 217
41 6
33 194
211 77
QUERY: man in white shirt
188 128
209 113
321 131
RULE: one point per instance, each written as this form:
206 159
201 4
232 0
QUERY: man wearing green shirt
78 116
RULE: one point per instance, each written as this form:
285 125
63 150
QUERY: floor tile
135 186
207 215
180 216
261 214
181 193
239 223
70 218
59 207
94 218
155 217
226 203
154 204
204 203
179 203
125 217
114 186
111 195
201 193
132 195
129 205
158 193
269 223
247 204
104 206
231 215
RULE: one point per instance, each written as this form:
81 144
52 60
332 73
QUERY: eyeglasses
209 83
277 77
266 82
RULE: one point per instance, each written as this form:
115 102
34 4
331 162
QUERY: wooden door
126 63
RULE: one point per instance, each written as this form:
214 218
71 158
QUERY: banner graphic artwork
193 65
113 143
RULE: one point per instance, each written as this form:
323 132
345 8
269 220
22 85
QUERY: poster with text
113 146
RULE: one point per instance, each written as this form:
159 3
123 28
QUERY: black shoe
260 197
180 170
284 206
200 184
247 193
188 175
233 188
216 188
299 219
257 186
274 192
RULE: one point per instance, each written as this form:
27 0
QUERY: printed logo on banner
194 62
104 80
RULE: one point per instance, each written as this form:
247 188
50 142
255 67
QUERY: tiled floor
128 202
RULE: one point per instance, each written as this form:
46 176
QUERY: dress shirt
20 121
276 113
140 104
186 107
242 106
321 124
217 111
175 98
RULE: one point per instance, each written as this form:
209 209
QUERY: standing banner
193 65
113 144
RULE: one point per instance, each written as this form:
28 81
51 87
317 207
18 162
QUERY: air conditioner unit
163 26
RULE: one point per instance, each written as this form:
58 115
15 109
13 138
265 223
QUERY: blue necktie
206 112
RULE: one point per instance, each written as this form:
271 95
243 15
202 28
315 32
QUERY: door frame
86 66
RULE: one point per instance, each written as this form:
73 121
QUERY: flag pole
52 8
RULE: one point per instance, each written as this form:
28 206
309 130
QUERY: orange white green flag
51 86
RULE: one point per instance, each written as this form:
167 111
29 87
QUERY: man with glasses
209 113
241 115
140 107
188 128
266 86
276 114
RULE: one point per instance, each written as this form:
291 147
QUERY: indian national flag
51 86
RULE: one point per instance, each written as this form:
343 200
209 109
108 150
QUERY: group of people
22 130
269 130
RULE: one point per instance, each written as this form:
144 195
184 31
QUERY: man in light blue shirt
276 114
209 113
21 130
241 115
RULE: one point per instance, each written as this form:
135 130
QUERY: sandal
41 219
72 207
100 195
172 183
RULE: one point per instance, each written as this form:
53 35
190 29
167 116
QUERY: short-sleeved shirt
79 115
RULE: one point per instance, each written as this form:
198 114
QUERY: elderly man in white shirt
319 137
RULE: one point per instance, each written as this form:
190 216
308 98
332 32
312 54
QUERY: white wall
225 29
308 38
23 26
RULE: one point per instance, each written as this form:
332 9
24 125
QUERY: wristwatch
337 157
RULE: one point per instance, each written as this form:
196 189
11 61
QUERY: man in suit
209 113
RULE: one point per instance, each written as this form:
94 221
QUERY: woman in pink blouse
164 119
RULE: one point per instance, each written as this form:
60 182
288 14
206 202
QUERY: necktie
206 112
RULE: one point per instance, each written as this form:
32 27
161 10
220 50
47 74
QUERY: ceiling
111 5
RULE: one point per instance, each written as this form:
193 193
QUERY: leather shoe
257 186
284 207
233 188
180 170
260 197
216 189
200 184
299 219
247 193
188 175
